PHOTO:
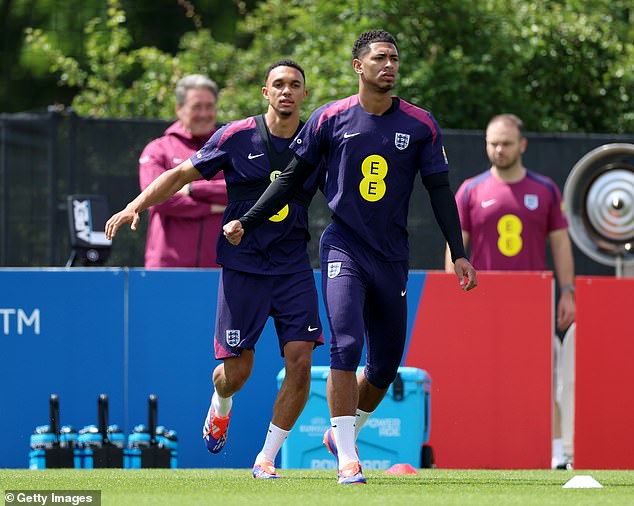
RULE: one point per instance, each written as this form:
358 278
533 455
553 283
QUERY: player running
374 145
269 274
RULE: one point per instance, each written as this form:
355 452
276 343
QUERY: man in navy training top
373 145
269 274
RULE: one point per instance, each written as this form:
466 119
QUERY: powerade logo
17 320
387 427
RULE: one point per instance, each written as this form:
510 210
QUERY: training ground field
229 487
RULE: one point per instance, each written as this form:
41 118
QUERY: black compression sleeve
443 203
278 193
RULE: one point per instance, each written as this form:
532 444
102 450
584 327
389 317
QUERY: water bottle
168 439
42 439
68 438
116 436
88 439
138 439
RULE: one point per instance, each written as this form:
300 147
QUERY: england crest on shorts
334 268
401 141
232 337
531 201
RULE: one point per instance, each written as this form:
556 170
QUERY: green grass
229 487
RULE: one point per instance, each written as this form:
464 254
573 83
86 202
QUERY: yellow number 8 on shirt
510 239
282 213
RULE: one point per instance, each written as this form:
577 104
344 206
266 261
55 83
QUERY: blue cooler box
394 434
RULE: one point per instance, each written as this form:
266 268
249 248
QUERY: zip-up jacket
182 232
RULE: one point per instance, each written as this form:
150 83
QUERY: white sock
275 437
343 429
222 405
558 452
361 418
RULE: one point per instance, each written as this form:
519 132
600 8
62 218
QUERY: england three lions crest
232 337
401 141
531 201
334 268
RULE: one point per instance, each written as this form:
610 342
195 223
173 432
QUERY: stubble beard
283 113
505 166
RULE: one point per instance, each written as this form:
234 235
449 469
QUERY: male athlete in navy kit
373 145
269 274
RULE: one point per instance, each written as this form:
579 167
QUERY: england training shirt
509 223
279 245
371 163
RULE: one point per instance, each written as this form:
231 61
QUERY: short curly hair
284 62
362 44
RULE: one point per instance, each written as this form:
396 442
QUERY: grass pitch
229 487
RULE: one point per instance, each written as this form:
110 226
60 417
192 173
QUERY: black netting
43 159
46 157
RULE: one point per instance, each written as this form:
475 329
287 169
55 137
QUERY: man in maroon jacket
182 231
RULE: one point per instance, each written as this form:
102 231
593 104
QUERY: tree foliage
118 81
562 65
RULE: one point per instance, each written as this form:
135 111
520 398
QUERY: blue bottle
89 438
116 436
138 439
168 439
68 438
42 439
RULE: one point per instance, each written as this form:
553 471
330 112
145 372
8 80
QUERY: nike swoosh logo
403 293
251 157
347 135
312 329
487 203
